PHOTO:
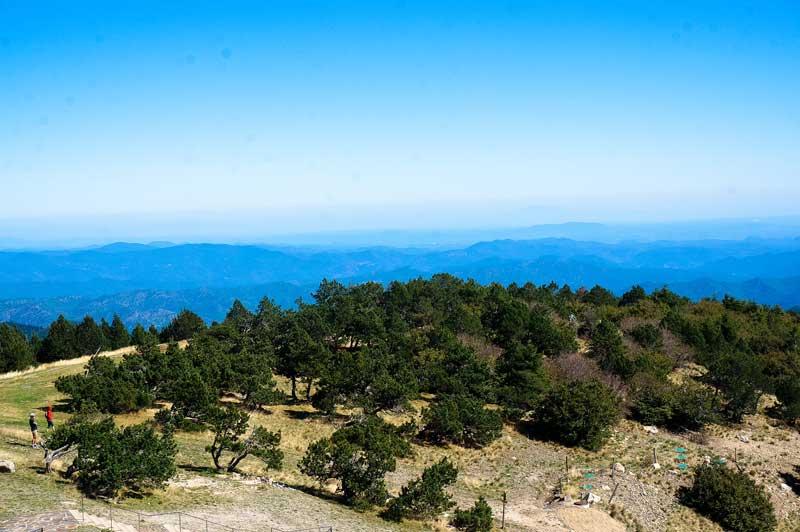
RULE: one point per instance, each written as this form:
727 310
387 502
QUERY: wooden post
735 455
613 493
503 520
566 465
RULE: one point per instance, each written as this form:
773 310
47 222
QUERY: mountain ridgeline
151 283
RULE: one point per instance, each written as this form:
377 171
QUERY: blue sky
308 116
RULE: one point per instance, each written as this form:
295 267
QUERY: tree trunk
51 456
294 388
308 389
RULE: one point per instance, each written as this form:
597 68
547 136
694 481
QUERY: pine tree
59 344
118 336
15 351
89 337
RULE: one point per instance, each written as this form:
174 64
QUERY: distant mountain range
150 283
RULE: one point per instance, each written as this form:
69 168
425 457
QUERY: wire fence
125 520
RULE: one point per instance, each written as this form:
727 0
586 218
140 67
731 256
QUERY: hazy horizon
309 116
71 233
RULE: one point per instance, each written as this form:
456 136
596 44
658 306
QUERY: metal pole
206 520
655 458
111 517
83 515
503 521
180 527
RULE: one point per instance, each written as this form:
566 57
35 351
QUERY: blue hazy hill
150 282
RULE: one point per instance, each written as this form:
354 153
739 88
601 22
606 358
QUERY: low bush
461 420
477 519
577 414
111 389
111 460
424 497
731 499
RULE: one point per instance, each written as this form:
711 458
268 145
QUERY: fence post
503 521
180 527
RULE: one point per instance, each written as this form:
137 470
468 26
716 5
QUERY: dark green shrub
633 296
182 327
229 424
371 432
521 379
686 407
476 519
731 499
360 468
461 420
113 389
424 497
111 460
577 414
647 335
15 351
607 348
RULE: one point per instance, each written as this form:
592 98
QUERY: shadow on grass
208 470
302 415
61 406
317 492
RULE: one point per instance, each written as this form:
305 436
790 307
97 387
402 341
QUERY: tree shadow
198 469
792 480
315 492
18 444
61 406
302 415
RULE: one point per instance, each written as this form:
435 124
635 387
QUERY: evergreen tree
607 348
731 499
183 327
425 497
110 460
521 379
60 343
89 337
578 414
476 519
15 352
140 336
461 420
239 317
118 336
633 296
229 424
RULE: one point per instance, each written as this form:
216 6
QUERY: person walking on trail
48 415
34 430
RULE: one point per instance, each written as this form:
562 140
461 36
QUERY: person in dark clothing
34 430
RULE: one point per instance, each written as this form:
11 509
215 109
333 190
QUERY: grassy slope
527 470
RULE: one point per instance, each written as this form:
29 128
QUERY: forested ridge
555 363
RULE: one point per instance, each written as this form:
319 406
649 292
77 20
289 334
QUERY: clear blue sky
344 114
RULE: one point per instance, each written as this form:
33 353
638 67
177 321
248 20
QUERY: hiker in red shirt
48 415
